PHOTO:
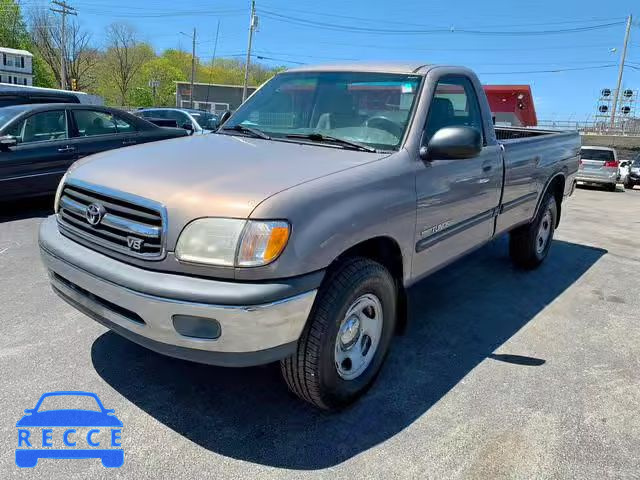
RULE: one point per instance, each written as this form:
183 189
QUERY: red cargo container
512 104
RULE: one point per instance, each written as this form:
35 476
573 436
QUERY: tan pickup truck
294 232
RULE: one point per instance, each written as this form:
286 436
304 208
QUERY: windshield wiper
249 130
319 137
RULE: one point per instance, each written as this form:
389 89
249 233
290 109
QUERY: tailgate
595 161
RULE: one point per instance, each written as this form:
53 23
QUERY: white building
16 66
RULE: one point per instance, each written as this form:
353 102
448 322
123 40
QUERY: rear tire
347 336
529 244
628 185
612 187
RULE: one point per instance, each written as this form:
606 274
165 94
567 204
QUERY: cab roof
378 67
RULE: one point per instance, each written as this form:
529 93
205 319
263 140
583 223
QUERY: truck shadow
459 317
39 207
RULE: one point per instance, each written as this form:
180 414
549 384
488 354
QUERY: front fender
331 214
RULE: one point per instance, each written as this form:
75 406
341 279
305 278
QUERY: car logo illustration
94 214
64 428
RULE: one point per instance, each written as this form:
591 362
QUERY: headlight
232 242
56 201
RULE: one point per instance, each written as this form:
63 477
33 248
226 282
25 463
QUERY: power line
440 30
398 22
556 70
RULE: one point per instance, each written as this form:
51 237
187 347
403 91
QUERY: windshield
593 154
372 109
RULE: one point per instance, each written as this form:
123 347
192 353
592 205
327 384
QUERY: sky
505 42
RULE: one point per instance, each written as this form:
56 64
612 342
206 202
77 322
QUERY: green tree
180 60
122 62
162 71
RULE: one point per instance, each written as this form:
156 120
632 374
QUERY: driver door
457 199
37 163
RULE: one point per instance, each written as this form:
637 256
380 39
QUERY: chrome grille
112 220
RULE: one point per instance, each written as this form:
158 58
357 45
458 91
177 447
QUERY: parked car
633 177
623 170
599 166
196 122
39 142
294 233
21 95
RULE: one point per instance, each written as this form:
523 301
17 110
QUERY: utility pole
193 64
620 72
64 10
213 61
253 24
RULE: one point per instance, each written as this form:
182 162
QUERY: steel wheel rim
358 336
544 232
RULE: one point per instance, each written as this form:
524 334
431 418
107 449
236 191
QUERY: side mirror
7 142
453 143
225 116
188 127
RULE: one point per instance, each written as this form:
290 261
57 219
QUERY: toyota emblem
94 214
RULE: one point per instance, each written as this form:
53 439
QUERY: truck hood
213 175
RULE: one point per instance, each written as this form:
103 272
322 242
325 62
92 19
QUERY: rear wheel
346 338
529 244
612 187
628 185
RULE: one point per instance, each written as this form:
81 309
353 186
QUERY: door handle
66 149
128 141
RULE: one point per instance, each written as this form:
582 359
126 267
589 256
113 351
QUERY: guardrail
629 128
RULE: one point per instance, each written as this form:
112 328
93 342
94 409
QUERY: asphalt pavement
501 373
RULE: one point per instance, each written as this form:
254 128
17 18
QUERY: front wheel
529 244
628 185
347 336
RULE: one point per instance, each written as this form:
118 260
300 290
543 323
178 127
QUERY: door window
454 104
91 123
123 126
180 117
41 127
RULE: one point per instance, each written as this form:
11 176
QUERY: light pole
193 63
253 24
616 94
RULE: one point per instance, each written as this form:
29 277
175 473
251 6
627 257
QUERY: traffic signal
74 84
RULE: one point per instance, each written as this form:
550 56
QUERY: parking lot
501 374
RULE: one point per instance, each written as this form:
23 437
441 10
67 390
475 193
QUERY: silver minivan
599 165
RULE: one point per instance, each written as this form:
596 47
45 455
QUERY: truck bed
531 157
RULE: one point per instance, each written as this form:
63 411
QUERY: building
16 66
212 97
512 105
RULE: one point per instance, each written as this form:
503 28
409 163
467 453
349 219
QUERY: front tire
628 185
347 336
529 244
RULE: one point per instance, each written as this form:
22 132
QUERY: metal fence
630 127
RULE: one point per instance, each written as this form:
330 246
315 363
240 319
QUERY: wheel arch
555 184
386 251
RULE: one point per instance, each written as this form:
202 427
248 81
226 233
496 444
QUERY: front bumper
143 305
